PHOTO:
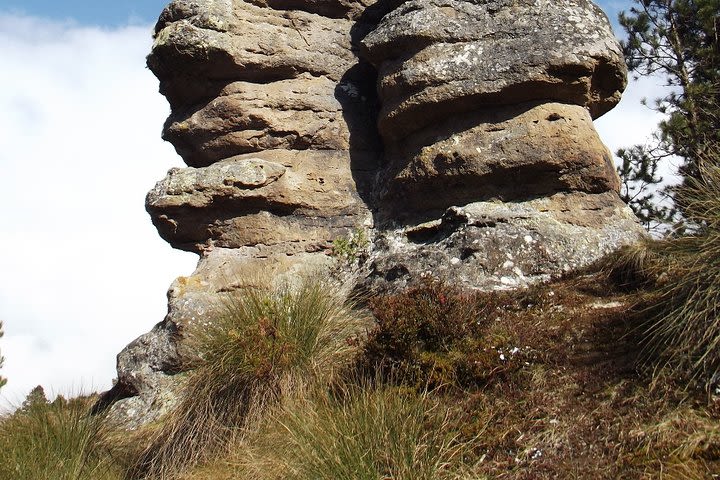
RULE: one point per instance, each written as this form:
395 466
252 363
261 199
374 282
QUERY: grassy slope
560 397
569 403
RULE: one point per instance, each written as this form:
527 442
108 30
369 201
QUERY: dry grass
54 441
680 276
267 343
557 392
572 406
363 431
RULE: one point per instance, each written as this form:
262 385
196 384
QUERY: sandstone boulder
503 245
440 57
298 199
455 136
509 153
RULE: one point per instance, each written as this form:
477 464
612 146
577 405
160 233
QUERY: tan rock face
507 153
456 135
288 200
264 91
438 57
492 100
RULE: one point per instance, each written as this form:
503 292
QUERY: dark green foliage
639 189
435 335
677 39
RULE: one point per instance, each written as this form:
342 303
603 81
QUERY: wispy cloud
83 270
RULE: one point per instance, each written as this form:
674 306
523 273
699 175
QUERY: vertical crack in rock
457 135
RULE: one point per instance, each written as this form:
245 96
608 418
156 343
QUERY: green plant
350 248
436 335
266 343
677 40
361 432
682 308
54 441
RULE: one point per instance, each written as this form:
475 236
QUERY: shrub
363 432
58 441
267 342
352 247
682 330
435 335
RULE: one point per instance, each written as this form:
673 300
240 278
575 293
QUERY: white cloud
632 123
83 270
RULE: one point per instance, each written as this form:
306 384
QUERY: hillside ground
546 383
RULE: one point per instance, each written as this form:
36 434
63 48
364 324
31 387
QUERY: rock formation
457 136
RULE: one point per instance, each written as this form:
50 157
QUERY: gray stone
440 57
503 245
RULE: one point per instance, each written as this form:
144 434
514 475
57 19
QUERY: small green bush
352 247
266 343
364 432
436 335
53 441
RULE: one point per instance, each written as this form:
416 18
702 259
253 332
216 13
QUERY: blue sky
102 13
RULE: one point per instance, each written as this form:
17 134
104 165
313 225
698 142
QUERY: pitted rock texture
456 136
508 153
297 113
503 245
297 205
439 57
492 99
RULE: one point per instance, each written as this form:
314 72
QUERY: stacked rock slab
495 176
457 135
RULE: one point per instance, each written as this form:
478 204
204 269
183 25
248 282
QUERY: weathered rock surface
508 153
299 113
439 57
503 245
150 368
456 135
298 200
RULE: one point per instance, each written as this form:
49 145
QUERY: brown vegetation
537 384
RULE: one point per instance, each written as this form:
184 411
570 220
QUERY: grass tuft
58 441
364 432
267 343
681 330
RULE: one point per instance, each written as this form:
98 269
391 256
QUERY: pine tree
678 39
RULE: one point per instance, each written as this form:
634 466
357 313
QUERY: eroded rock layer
275 114
455 136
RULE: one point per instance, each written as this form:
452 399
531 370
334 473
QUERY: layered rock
486 119
275 115
456 135
266 92
466 89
